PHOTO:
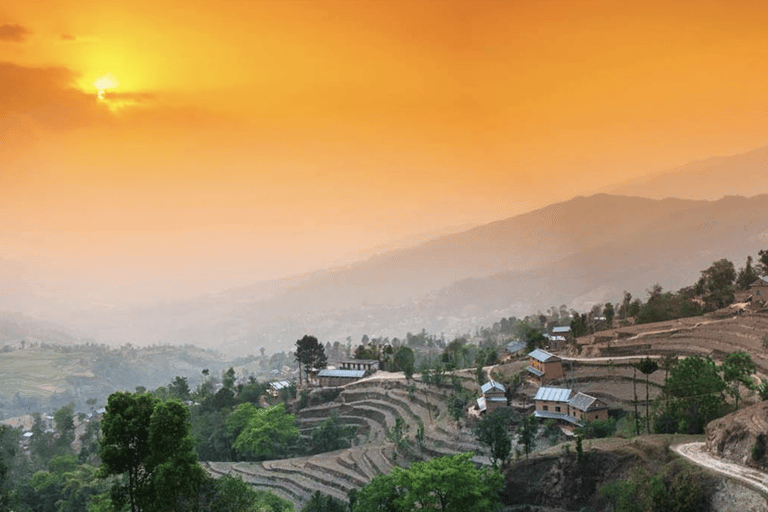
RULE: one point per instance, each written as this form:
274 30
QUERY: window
545 407
557 409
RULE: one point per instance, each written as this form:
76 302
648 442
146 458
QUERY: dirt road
696 452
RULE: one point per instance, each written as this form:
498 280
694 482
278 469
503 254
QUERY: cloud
13 33
47 97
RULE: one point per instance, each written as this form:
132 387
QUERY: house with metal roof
567 405
275 387
494 396
587 408
330 378
369 365
515 347
543 366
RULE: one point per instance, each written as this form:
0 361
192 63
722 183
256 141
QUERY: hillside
743 174
43 377
578 253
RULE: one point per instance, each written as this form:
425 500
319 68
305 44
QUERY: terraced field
713 336
374 406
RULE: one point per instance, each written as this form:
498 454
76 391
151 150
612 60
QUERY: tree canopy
310 354
448 484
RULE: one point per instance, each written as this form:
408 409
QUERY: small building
275 387
566 405
514 348
543 366
587 408
494 396
331 378
759 288
368 365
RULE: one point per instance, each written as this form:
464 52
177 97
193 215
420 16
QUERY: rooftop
561 329
492 384
542 355
553 394
582 402
350 374
515 346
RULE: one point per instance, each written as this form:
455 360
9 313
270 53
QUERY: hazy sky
256 138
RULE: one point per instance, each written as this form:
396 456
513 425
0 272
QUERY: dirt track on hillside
697 453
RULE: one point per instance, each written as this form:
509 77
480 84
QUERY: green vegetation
449 484
492 431
675 487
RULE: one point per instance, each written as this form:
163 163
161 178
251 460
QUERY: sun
108 81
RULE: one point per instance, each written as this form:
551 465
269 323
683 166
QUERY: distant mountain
16 328
713 178
580 252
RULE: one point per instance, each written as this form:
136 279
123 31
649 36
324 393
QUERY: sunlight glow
108 81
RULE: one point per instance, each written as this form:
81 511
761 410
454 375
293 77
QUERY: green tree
491 431
267 433
609 313
747 275
125 446
179 388
405 361
762 261
695 391
526 433
448 484
65 427
148 442
737 369
647 366
310 354
716 283
332 435
324 503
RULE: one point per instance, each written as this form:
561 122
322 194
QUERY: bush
598 428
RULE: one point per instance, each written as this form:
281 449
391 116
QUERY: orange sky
258 138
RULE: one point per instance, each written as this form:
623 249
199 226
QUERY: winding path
697 453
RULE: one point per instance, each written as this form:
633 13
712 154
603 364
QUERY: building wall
599 414
551 406
553 370
336 381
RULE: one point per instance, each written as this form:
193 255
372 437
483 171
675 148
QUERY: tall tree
747 275
404 361
716 283
125 443
695 391
148 441
737 369
526 433
762 261
492 432
310 354
647 366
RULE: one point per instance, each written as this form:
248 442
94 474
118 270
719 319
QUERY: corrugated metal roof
534 371
582 402
561 329
553 394
541 355
280 384
351 374
492 384
515 346
481 403
361 361
556 416
557 338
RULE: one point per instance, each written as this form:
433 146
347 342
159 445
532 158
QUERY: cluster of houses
550 402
